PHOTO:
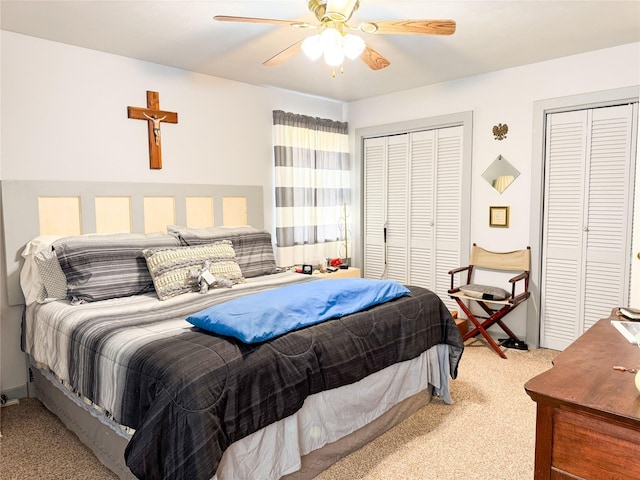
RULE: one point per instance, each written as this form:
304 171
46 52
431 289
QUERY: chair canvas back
516 260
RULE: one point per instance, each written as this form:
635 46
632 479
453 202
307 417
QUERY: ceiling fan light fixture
333 56
333 45
312 47
330 38
352 45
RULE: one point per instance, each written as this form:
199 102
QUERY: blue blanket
262 316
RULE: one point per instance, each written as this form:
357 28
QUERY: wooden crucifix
153 115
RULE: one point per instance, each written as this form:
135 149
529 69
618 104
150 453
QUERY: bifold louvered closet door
413 207
588 217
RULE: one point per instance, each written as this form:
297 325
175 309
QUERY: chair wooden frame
496 310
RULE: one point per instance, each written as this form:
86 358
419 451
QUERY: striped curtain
312 186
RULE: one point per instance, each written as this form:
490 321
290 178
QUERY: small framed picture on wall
499 217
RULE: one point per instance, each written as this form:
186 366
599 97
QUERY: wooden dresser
588 414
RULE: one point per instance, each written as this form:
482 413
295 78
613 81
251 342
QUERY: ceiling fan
334 41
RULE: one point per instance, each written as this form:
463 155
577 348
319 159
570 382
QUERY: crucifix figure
153 115
156 126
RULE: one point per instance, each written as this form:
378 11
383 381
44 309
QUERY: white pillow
30 278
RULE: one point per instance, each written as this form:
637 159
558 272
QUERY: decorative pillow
30 278
266 315
99 267
253 247
53 279
485 292
170 267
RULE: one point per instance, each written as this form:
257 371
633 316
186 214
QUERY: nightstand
351 272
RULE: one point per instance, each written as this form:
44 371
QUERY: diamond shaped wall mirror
500 174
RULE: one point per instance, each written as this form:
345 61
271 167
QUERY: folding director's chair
495 301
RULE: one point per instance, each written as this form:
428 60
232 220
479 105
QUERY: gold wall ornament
500 131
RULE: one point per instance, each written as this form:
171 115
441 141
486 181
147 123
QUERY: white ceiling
490 36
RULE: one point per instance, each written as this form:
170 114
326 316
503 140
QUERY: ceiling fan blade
271 21
284 55
424 27
373 59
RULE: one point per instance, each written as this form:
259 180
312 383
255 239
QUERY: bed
119 356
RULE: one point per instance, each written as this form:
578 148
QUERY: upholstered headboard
32 208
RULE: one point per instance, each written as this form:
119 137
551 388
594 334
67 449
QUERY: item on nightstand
205 279
630 313
335 262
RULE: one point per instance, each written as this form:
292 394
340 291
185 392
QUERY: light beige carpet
488 433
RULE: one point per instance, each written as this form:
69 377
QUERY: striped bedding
187 395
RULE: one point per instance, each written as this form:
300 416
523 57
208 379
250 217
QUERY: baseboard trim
16 393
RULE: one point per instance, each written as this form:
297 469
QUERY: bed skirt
108 440
316 462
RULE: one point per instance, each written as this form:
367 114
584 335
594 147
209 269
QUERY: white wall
64 117
505 96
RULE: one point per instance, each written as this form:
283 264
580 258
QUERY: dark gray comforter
191 396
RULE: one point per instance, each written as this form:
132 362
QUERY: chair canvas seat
496 310
461 295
